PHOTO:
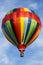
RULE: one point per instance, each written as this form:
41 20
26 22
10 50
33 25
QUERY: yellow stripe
26 9
22 28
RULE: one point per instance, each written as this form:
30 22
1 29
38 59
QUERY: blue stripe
5 29
28 27
32 11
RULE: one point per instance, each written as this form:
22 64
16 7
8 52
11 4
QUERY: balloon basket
21 54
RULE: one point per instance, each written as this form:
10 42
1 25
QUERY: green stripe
9 12
9 27
31 30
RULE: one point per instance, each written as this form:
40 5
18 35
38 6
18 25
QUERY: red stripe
22 47
21 14
7 17
16 26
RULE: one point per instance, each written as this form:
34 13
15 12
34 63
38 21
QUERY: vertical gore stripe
14 29
9 27
8 38
7 32
28 27
25 27
35 35
22 28
31 30
34 32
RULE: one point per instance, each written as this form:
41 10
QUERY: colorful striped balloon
21 27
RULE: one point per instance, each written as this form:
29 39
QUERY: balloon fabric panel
27 27
31 30
8 38
34 36
10 30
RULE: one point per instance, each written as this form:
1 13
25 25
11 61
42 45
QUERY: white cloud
36 58
4 45
34 62
4 59
33 5
40 42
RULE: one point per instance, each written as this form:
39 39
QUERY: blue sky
9 54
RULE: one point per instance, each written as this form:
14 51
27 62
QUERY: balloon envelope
21 26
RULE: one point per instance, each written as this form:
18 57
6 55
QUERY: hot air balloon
21 26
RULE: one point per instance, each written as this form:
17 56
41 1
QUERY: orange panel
34 36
